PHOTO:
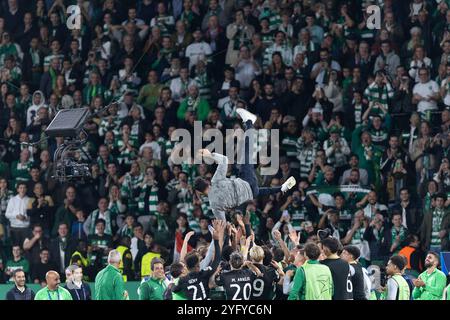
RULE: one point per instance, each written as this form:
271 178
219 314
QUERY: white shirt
154 146
447 92
16 206
246 72
414 68
426 90
179 89
123 110
404 217
321 76
197 51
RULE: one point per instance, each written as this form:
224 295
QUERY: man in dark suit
62 248
410 211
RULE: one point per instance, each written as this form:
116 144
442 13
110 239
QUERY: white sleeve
392 288
208 50
87 224
10 212
287 284
435 87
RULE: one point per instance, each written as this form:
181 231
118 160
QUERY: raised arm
185 244
283 246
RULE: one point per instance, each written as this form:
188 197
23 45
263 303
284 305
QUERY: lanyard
82 290
50 297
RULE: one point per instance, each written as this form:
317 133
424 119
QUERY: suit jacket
55 254
412 216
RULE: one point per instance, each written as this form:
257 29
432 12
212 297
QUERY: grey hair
114 257
193 85
416 30
72 268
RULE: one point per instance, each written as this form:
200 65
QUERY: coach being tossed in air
228 193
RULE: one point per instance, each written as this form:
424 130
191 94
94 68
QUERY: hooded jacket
33 109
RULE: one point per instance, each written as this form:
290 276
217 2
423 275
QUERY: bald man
53 291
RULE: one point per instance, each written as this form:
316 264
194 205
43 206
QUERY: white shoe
246 115
289 184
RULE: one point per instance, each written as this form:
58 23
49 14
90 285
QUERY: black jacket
55 254
83 293
15 294
413 216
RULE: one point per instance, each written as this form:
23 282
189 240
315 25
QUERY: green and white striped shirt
374 93
306 155
151 201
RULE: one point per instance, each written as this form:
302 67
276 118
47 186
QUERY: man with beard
431 283
390 156
354 164
20 290
265 105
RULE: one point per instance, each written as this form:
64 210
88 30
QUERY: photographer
321 70
336 149
330 221
419 60
238 33
300 206
355 237
401 102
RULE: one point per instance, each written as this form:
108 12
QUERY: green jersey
100 245
312 281
109 284
12 265
434 286
152 289
59 294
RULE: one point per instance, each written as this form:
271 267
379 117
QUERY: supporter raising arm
195 285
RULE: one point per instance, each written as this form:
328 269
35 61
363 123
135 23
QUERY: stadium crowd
364 122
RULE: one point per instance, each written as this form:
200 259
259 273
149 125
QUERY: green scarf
53 76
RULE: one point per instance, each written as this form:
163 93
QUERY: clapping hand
277 235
